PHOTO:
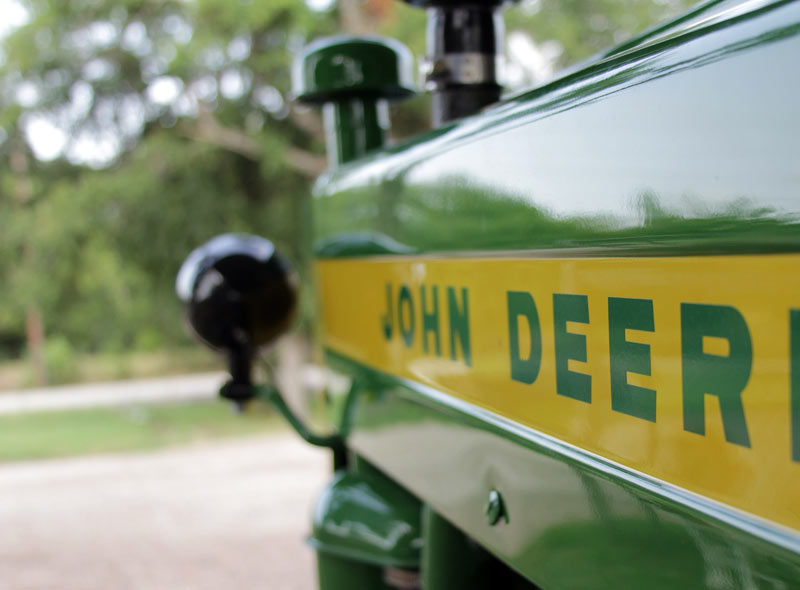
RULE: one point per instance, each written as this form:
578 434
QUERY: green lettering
571 308
459 324
794 381
712 374
522 305
430 320
405 310
634 357
388 317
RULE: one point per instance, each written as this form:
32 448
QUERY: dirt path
177 388
226 515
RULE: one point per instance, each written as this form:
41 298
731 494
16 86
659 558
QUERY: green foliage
96 251
60 360
585 27
176 125
112 366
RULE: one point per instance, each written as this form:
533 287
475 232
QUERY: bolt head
495 508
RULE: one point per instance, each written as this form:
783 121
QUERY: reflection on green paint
411 216
619 552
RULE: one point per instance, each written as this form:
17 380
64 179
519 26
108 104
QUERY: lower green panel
574 520
364 517
337 573
453 560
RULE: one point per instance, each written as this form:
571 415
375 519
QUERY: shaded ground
230 514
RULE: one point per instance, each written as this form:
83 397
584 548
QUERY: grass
130 428
16 374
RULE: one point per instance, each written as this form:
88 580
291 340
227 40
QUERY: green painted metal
334 441
336 68
336 573
496 511
360 244
353 77
596 525
684 143
365 517
355 127
272 396
450 559
700 13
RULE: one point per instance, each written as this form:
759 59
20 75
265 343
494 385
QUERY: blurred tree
182 107
96 74
132 130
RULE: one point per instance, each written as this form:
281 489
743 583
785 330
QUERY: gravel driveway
225 515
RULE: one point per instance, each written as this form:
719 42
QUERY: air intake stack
465 47
352 79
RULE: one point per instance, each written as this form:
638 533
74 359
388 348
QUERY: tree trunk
34 322
362 17
34 331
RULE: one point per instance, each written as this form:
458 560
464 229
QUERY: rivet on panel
496 508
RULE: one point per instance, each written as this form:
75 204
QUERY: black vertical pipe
464 46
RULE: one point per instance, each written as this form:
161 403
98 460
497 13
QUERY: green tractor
569 317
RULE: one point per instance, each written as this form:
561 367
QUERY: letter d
521 304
